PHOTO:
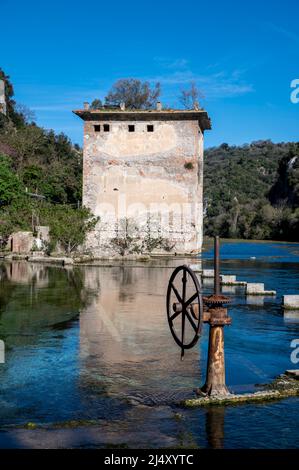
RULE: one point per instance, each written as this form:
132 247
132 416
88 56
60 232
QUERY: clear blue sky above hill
242 55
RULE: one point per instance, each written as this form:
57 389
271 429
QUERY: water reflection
93 343
255 300
230 290
35 297
124 338
215 427
291 316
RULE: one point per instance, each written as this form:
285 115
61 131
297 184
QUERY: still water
90 345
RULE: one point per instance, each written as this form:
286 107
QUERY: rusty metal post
216 267
215 376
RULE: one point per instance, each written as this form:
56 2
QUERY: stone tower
145 167
2 97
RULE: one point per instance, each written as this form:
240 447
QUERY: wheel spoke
189 301
184 281
176 314
177 294
191 321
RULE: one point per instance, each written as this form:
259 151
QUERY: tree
10 185
96 104
133 93
27 114
189 97
27 142
69 226
127 240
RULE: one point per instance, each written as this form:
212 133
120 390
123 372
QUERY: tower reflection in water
125 343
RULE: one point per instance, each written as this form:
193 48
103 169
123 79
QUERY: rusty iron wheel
187 280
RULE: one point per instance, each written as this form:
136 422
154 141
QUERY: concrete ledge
233 399
16 257
50 260
285 385
238 283
290 302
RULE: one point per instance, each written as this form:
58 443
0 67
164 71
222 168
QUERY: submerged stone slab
290 302
256 288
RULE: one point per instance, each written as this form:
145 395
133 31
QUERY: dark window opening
97 128
106 127
131 128
150 128
115 189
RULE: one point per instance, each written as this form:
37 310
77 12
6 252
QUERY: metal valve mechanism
187 310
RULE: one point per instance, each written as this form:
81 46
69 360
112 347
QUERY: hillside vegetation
252 191
40 179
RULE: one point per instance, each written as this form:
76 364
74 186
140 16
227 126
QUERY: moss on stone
282 387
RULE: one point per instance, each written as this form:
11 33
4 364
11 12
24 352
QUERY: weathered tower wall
144 169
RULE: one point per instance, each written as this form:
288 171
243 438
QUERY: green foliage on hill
252 191
40 178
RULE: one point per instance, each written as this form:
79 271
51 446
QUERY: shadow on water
92 344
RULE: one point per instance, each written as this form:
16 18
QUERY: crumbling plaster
144 168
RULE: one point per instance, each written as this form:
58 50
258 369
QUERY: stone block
290 302
228 279
208 273
21 242
256 288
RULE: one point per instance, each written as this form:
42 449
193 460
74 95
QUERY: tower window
150 128
106 127
131 128
97 128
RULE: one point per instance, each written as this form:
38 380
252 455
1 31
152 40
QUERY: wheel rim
187 281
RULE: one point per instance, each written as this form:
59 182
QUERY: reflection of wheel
183 293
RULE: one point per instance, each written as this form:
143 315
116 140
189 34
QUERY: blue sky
242 55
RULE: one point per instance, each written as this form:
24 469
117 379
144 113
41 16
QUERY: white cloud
169 63
216 85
